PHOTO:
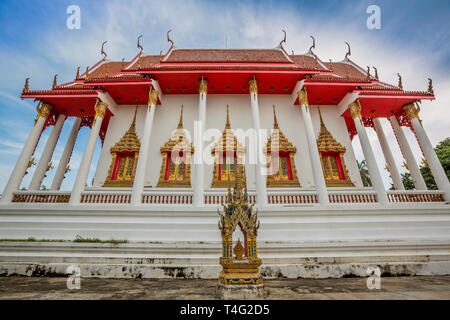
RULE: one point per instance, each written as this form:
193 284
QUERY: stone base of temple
241 292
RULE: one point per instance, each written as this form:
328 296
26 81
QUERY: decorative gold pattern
280 145
55 81
203 86
412 111
302 97
229 154
253 86
331 153
239 270
400 82
355 109
26 87
100 109
86 74
178 150
430 86
153 97
44 110
125 154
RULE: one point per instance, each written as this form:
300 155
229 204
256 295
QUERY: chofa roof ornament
284 40
103 51
139 43
313 45
168 37
349 51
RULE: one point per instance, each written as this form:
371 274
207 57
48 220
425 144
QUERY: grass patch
78 239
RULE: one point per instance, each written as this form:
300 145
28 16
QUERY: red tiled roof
227 55
306 62
106 69
342 68
119 79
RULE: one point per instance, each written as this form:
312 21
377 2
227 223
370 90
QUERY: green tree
443 153
364 172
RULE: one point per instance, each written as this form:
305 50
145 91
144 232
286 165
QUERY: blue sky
34 41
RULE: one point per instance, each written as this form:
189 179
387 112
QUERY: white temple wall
167 116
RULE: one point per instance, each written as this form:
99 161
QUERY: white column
319 178
22 163
199 188
375 176
139 177
393 169
433 161
83 170
411 162
47 154
260 176
65 157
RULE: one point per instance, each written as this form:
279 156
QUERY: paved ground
109 289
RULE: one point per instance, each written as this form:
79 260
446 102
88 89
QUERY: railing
302 197
167 197
354 196
105 197
213 197
401 196
41 196
219 197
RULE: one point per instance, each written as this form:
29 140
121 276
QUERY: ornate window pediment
332 158
280 158
228 155
125 154
176 164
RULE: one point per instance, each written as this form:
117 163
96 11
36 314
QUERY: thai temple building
176 127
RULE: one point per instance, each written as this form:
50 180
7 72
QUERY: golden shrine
332 158
176 163
228 155
280 158
125 154
243 267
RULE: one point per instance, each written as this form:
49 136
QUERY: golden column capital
153 97
411 111
44 110
253 86
203 86
355 109
302 97
100 109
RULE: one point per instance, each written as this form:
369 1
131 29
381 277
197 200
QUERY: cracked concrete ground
398 288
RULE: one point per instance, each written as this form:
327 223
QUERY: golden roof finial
326 142
180 123
78 73
275 120
133 124
227 124
321 119
331 65
376 73
54 81
123 63
430 86
26 87
400 83
168 37
86 75
368 72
